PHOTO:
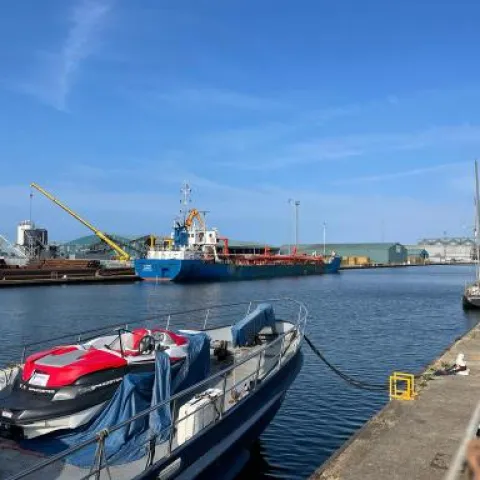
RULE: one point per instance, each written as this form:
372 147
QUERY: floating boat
64 387
471 294
195 253
188 422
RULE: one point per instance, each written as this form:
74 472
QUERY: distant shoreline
363 267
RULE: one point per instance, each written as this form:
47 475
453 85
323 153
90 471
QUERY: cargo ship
195 253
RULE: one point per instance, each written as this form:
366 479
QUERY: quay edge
414 439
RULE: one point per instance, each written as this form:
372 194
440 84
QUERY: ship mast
185 200
477 224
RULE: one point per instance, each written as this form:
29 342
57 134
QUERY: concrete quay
414 439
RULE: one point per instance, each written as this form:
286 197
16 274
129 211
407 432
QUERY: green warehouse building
377 253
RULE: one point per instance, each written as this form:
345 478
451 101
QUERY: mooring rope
347 378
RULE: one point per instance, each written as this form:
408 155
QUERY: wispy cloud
57 71
364 144
406 173
463 184
334 148
214 97
283 134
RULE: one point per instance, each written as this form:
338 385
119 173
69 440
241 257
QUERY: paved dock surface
414 439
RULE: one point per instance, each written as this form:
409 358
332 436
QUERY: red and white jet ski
66 386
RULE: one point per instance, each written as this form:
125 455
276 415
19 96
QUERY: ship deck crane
122 254
194 214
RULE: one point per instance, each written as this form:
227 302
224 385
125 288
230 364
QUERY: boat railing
237 383
214 315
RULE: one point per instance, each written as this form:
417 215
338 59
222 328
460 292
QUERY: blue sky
368 113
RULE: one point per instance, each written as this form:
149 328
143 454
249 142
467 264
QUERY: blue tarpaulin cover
244 331
196 365
136 393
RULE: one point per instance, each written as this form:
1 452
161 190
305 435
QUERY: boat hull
470 302
238 429
184 271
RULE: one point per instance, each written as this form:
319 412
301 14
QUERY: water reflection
258 466
471 317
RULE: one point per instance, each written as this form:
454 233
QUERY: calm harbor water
367 322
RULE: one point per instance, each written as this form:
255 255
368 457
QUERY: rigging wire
347 378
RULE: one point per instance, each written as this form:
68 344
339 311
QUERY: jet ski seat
134 343
142 342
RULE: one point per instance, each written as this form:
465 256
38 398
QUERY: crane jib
123 255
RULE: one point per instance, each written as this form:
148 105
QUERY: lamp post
444 247
31 201
324 237
295 204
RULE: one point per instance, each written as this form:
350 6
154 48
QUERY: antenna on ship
185 191
185 200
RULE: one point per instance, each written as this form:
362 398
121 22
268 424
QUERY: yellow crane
122 254
192 215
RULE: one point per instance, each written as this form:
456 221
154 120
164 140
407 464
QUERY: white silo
21 227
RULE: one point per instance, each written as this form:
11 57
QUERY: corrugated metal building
448 249
417 256
91 246
377 253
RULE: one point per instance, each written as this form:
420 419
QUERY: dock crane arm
122 254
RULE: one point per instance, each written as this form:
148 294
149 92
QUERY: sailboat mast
477 223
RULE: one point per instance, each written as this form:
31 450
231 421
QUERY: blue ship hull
184 271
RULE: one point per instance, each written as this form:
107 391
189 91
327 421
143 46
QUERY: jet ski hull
65 387
28 412
42 427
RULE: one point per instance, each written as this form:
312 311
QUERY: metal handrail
99 437
134 322
77 335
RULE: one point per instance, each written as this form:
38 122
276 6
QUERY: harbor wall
414 439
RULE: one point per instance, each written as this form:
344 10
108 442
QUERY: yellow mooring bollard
402 386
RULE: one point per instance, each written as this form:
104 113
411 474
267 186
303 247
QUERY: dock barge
58 271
